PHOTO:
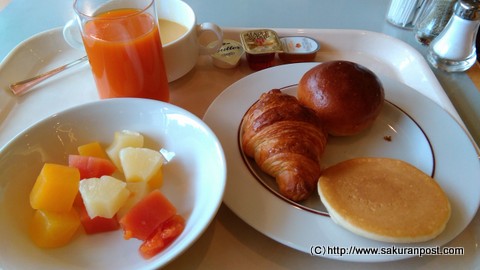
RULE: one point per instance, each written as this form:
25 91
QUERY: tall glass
122 41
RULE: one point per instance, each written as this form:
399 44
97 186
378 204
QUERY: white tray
229 242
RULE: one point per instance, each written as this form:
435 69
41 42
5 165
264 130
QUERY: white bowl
194 181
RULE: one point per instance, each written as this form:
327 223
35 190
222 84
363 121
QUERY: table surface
20 19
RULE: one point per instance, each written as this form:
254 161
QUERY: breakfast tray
229 242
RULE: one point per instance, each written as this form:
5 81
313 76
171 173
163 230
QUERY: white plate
194 181
422 133
37 54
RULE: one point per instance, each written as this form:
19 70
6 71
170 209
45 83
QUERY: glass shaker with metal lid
433 19
454 48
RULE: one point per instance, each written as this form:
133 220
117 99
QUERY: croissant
286 140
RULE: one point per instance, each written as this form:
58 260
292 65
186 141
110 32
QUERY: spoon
21 87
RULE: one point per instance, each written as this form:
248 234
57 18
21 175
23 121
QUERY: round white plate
194 181
411 127
37 54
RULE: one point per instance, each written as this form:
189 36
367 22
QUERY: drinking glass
122 42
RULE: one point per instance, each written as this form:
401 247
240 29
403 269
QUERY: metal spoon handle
21 87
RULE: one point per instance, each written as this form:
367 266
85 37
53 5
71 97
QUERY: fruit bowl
194 181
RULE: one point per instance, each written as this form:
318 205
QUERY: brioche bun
384 199
348 97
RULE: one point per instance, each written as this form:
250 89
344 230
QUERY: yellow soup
170 31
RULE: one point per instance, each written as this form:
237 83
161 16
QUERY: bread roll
348 97
384 199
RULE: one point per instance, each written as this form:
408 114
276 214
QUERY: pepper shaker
432 21
454 49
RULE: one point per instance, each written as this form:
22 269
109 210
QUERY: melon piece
165 234
103 196
97 224
122 139
146 215
90 167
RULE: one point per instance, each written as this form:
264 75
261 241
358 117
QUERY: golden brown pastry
347 96
384 199
287 141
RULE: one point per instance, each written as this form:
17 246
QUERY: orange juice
125 54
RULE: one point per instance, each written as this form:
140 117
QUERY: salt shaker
453 50
435 16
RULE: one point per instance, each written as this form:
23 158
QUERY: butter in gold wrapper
229 54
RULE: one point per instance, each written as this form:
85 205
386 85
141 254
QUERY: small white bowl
194 181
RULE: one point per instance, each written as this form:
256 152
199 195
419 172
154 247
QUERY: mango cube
55 188
157 180
122 139
93 149
53 229
103 196
142 165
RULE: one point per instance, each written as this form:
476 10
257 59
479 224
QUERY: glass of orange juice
122 41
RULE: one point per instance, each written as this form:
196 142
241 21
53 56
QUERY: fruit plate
194 181
411 127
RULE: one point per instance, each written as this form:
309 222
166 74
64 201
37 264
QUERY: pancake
384 199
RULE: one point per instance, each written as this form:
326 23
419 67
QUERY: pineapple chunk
122 139
141 164
138 190
103 196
